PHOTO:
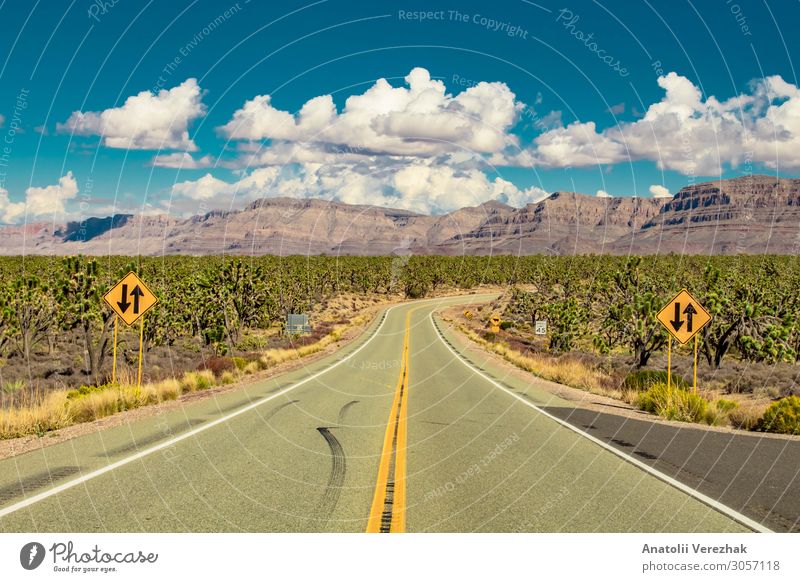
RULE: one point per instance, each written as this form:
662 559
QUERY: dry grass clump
277 356
227 378
120 398
252 367
49 414
169 389
746 417
571 372
194 381
61 408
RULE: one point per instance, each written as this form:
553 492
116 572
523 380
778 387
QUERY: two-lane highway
396 432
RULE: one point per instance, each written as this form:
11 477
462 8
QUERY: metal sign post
114 365
669 365
141 344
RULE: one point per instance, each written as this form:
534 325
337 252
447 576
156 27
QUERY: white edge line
122 462
714 504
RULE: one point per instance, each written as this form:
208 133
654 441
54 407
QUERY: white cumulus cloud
47 201
10 212
689 134
659 191
420 120
146 121
602 194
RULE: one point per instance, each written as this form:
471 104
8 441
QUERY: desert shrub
504 325
673 403
218 364
782 416
227 378
642 380
239 362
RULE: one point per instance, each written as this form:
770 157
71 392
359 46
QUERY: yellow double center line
388 513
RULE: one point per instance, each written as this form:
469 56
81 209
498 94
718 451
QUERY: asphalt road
395 432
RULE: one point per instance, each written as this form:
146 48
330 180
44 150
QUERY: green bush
782 416
85 390
673 403
642 380
504 325
239 362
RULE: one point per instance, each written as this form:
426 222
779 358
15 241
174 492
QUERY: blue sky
513 99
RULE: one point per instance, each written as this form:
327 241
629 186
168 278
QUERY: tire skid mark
345 409
35 482
277 409
333 489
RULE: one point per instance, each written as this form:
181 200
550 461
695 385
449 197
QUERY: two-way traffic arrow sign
136 294
683 316
130 298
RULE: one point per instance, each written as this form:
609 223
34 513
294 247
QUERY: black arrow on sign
139 293
677 323
124 304
689 311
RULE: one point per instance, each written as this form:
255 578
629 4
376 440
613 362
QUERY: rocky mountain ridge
752 214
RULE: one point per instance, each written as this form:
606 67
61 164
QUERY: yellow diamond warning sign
494 323
683 316
130 298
